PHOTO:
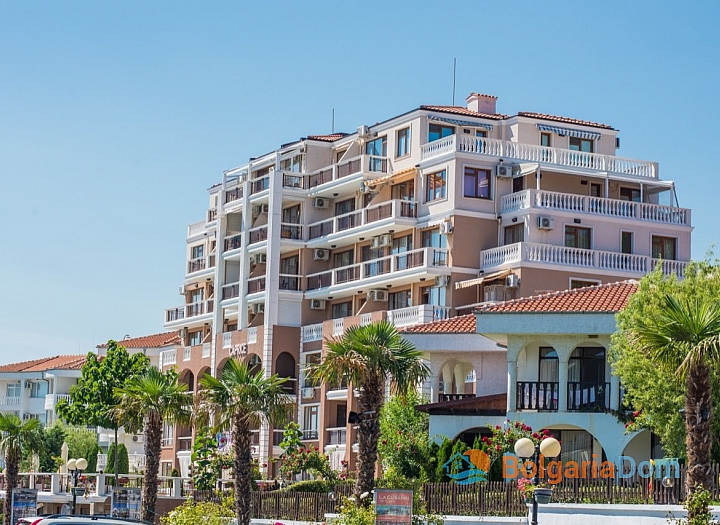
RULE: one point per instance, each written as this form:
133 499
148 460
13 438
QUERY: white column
615 392
512 386
562 384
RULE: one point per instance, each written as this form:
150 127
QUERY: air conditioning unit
363 130
366 188
504 171
308 392
182 290
512 281
321 254
183 332
258 308
136 438
446 228
321 203
378 295
494 293
259 258
546 223
381 241
28 384
442 280
317 304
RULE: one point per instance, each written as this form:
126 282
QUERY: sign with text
393 507
126 503
24 504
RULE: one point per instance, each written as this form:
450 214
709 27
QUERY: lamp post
526 449
75 468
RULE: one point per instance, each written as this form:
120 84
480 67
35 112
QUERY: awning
526 168
387 178
489 277
456 122
591 135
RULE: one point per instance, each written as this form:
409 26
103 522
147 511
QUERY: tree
242 400
92 399
112 452
50 455
148 402
368 357
675 326
17 437
123 460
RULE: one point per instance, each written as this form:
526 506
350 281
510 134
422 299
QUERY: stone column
512 386
562 384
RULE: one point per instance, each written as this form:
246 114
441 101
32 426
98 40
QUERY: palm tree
149 401
685 335
242 399
17 437
368 357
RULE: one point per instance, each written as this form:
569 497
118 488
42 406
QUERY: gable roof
459 110
149 341
566 120
602 298
463 324
58 362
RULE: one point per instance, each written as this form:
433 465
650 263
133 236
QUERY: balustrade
395 208
230 291
588 397
234 242
537 395
313 332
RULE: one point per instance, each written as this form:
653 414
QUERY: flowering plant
525 486
307 459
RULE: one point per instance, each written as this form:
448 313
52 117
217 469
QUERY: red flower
264 465
498 447
636 413
384 441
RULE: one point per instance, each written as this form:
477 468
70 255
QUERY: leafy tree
675 326
81 443
123 460
50 455
292 438
17 438
405 444
92 457
243 400
112 452
147 402
92 399
310 460
443 455
207 461
368 357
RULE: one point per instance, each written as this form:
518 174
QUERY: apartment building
31 389
418 218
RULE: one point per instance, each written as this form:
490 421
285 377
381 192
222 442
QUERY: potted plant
543 495
526 488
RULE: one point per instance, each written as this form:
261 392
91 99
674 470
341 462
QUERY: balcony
347 168
168 357
200 264
293 180
291 231
212 215
230 291
256 285
513 151
336 436
537 395
259 185
549 200
313 332
189 310
9 401
234 194
360 219
233 243
50 400
514 254
588 397
406 264
309 435
289 282
258 234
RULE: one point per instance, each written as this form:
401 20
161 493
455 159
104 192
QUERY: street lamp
75 468
526 449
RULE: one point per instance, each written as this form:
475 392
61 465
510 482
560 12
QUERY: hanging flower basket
543 495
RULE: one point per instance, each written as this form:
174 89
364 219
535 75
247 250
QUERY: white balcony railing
313 332
189 310
577 257
187 353
252 335
551 200
393 209
533 153
52 399
196 227
346 168
336 436
383 266
207 347
338 327
9 401
414 315
227 340
168 357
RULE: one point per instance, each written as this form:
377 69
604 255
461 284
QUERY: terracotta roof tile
603 298
464 324
58 362
459 110
327 138
566 120
149 341
481 95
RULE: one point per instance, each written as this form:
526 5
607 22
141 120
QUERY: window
197 251
310 360
195 338
311 418
433 239
435 186
341 310
582 283
518 184
514 233
476 132
344 208
545 140
578 144
39 389
291 215
371 266
476 183
377 149
629 194
294 163
434 295
168 434
549 365
596 190
397 300
290 265
576 237
587 365
403 142
404 191
438 131
626 242
664 247
14 390
343 259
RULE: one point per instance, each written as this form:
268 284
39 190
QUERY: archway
286 367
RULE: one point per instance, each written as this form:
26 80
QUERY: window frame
622 242
577 237
476 187
431 192
663 238
577 282
402 142
520 226
576 144
440 129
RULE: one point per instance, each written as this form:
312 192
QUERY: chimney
481 103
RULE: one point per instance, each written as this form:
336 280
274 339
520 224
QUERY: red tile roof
149 341
566 120
58 362
459 110
327 138
481 95
603 298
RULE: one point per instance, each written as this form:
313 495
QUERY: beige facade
414 219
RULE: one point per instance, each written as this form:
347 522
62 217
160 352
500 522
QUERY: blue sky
115 118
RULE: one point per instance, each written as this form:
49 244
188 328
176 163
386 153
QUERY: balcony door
587 389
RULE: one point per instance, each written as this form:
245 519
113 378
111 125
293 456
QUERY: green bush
110 467
123 460
205 512
311 485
